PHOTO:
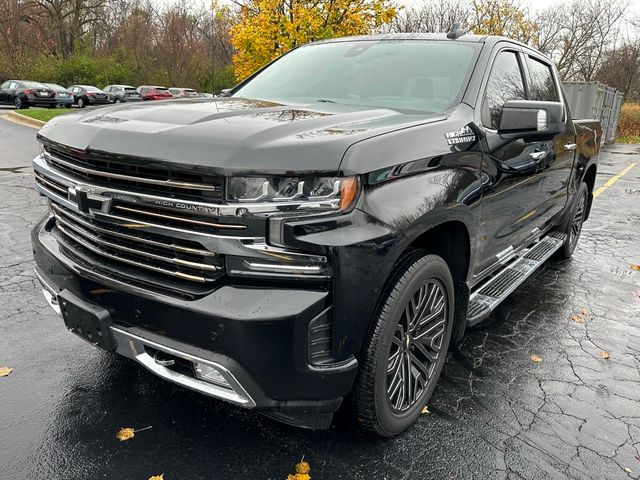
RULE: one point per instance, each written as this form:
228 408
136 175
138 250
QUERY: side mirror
530 116
224 92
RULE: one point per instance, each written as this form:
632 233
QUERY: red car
150 92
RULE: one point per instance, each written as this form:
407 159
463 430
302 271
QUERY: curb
24 120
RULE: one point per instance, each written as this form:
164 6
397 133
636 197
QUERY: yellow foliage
303 470
503 17
270 28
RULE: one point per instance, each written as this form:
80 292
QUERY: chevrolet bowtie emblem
82 196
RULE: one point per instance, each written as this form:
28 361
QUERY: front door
512 168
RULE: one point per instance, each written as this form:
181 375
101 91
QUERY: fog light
210 374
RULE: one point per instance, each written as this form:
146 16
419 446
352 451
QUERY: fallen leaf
635 267
627 469
536 358
4 371
127 433
303 470
604 355
157 477
425 410
636 294
577 318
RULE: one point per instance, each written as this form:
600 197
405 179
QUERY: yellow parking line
613 180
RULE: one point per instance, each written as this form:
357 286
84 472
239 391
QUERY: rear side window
541 84
505 83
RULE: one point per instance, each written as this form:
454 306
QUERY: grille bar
106 243
132 238
104 253
180 219
168 182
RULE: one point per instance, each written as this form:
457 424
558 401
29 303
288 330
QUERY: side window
13 85
541 84
505 83
4 86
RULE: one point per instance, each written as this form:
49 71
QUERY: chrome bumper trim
133 346
50 295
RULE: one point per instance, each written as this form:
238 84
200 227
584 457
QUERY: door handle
537 156
570 146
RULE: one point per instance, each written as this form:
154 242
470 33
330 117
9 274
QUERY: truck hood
231 135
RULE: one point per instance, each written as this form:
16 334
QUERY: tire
573 227
383 404
68 105
20 103
81 103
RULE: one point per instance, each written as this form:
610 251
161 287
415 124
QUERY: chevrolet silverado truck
322 232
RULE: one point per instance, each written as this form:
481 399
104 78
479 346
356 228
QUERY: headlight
322 193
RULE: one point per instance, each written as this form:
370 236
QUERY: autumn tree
502 17
433 16
269 28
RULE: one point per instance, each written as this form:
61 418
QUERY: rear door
557 165
512 173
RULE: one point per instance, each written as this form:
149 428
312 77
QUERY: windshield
399 74
90 88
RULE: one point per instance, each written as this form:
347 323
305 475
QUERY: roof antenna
456 31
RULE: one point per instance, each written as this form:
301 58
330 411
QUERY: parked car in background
151 92
84 95
207 95
64 97
25 94
179 92
123 93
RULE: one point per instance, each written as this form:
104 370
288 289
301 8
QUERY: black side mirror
533 117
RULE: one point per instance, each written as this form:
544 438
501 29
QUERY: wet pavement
495 414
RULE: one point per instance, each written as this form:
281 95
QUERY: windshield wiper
324 100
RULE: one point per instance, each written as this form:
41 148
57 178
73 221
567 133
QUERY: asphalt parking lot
495 414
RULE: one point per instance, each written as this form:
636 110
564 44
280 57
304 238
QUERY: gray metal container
594 100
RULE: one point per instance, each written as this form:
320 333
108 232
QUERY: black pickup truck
325 230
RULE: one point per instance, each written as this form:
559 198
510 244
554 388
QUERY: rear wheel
20 103
407 348
576 220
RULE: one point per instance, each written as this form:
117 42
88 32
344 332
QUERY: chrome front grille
159 242
134 242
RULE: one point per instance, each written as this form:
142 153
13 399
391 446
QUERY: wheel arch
590 179
451 240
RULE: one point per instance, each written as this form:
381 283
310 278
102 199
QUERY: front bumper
255 337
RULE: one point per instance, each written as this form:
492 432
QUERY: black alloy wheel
407 347
18 102
416 346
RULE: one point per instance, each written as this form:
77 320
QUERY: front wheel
407 348
81 103
576 220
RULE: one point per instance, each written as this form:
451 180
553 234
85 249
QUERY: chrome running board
489 294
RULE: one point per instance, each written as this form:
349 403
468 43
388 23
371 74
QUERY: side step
491 293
